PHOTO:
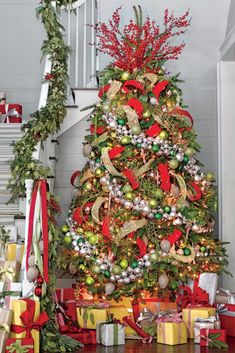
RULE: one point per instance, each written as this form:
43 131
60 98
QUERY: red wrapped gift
11 113
15 344
227 318
85 336
209 337
66 310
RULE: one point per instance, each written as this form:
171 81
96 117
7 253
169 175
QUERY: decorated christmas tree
141 222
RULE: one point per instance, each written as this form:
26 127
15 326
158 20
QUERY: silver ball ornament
86 150
109 288
31 261
126 280
165 245
32 274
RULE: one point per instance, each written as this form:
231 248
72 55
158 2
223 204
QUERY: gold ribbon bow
7 273
5 327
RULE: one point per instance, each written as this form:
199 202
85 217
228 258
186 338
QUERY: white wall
20 41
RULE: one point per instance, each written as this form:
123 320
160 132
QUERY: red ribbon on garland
160 86
165 176
133 83
41 186
103 90
78 216
98 130
27 318
105 227
115 151
140 243
197 192
182 112
173 237
154 130
136 105
131 177
74 176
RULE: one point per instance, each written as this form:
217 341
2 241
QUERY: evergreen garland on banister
44 122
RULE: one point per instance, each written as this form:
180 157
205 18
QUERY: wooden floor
134 346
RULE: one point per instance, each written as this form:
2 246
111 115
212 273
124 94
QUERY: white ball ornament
165 245
109 288
112 279
86 150
147 264
32 274
179 157
126 280
31 261
163 281
153 100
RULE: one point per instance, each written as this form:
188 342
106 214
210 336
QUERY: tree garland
44 122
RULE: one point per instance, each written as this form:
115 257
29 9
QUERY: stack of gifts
9 113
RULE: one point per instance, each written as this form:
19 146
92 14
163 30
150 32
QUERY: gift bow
27 318
7 273
5 327
198 297
90 305
16 347
166 317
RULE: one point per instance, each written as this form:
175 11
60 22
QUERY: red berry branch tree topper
139 45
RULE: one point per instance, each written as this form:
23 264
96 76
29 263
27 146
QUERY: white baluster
76 47
93 48
84 44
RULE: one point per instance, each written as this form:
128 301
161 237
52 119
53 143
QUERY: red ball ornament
40 279
38 291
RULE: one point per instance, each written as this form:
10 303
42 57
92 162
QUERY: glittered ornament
203 249
129 196
210 177
153 203
163 281
124 263
89 281
65 228
158 216
125 140
127 188
93 239
31 261
96 269
155 148
147 113
125 75
135 129
134 264
158 193
40 280
116 270
109 288
165 245
38 291
107 273
67 240
32 274
163 135
173 163
86 150
187 251
99 172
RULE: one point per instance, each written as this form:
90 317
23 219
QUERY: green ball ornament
153 203
187 251
65 228
96 269
89 234
203 249
107 273
210 177
98 160
186 158
124 263
127 188
155 148
125 140
167 209
136 129
80 241
121 122
129 196
125 75
93 239
89 281
67 240
158 216
158 193
163 135
134 264
189 151
99 172
173 163
116 270
172 153
153 257
138 145
147 113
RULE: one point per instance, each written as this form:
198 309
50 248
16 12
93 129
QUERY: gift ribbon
115 151
97 129
7 273
140 243
154 130
160 86
103 90
136 105
133 83
40 186
4 327
74 177
189 299
183 112
78 214
174 237
165 176
27 318
105 227
197 192
129 174
16 347
66 323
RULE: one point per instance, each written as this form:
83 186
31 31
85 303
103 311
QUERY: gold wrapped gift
19 307
14 252
171 333
190 314
88 317
5 324
9 271
119 312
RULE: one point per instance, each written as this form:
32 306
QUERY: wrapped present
119 312
155 306
224 296
15 290
84 336
27 320
201 323
110 334
171 330
9 271
89 316
213 338
66 310
227 317
23 345
11 113
123 301
191 313
2 97
207 281
186 296
146 338
5 324
14 252
12 231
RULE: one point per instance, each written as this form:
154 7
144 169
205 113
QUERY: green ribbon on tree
16 347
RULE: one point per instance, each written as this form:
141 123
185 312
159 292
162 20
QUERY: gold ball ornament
153 203
65 228
163 135
129 196
136 129
125 75
173 163
89 281
147 113
99 172
87 186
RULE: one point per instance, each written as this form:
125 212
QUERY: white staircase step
11 127
6 219
6 157
9 139
10 209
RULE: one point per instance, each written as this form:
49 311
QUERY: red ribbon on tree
197 192
199 297
74 176
160 86
165 176
140 243
115 151
136 105
133 83
131 177
182 112
27 318
40 186
105 227
173 237
98 130
154 130
103 90
78 215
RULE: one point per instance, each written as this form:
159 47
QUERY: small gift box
171 330
24 345
200 323
227 318
110 334
5 324
26 314
89 316
9 271
66 310
213 338
14 252
11 113
224 296
191 313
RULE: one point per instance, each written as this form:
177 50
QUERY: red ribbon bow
27 318
199 297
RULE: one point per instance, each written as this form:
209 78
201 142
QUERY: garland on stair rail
43 123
